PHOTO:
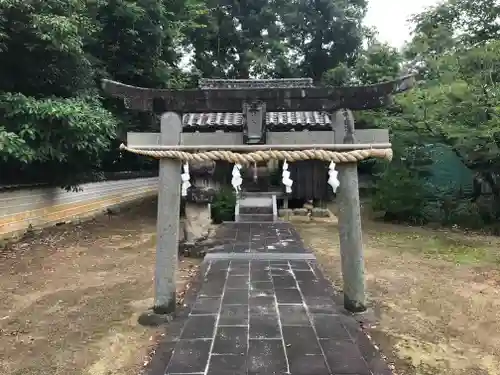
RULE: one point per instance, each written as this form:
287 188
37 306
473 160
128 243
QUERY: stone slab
256 316
278 321
258 237
254 217
258 256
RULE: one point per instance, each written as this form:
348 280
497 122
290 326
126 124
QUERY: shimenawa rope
266 155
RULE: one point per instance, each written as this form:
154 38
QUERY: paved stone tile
231 340
281 271
239 264
199 327
235 297
300 341
261 286
217 277
371 355
330 327
304 364
239 271
264 327
237 282
211 290
262 304
293 315
215 274
234 315
206 305
261 293
259 265
321 305
304 275
260 275
219 265
266 357
239 248
260 237
300 265
313 289
281 282
227 365
288 296
189 356
344 357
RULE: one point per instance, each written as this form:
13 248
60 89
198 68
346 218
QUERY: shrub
223 206
400 195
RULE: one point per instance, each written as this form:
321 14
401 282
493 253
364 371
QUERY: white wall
42 206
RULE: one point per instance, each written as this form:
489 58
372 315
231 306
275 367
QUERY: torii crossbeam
279 99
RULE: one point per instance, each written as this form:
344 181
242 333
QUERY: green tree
322 34
52 118
263 38
455 53
55 126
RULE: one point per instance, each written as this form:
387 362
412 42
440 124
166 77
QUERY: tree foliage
455 53
276 38
55 126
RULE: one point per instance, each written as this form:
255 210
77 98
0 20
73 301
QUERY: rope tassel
333 180
236 181
287 181
185 177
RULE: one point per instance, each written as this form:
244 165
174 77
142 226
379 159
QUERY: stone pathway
259 237
264 307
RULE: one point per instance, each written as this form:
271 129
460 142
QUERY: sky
390 18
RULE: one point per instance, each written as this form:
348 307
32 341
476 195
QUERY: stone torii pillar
167 232
350 231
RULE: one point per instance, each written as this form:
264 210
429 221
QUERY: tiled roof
211 120
297 119
274 121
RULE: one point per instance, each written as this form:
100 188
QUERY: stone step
256 201
245 193
242 218
256 210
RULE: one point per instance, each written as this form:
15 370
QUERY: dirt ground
71 296
436 295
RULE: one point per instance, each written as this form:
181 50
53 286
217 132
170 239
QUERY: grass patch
434 292
434 244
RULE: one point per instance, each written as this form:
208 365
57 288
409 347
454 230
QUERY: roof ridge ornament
254 122
216 83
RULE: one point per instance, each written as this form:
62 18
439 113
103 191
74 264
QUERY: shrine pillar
167 232
349 215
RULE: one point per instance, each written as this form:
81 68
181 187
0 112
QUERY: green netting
449 174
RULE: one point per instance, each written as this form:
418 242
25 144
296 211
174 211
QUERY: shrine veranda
263 277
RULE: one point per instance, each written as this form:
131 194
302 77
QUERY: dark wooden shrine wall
310 180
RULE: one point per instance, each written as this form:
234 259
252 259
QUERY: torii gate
253 98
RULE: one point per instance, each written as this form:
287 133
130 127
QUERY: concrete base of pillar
197 222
